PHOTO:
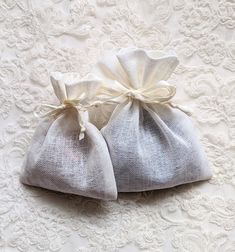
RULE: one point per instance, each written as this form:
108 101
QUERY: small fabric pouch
68 153
152 143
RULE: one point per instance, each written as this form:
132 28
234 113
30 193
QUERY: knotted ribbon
56 110
162 93
138 74
73 92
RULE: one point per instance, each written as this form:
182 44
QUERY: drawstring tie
56 110
162 93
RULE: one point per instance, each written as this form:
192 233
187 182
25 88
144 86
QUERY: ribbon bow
138 74
56 110
162 93
73 92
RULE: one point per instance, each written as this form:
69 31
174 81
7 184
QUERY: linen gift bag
152 143
68 153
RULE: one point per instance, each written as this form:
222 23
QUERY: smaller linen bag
152 143
68 153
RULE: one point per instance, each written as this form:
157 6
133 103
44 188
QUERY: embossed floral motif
227 13
193 210
20 40
39 73
3 13
70 59
192 241
5 101
10 3
161 7
27 98
224 215
198 19
217 108
230 61
19 33
178 4
223 165
58 23
198 240
134 31
25 122
199 81
211 49
82 8
185 47
106 2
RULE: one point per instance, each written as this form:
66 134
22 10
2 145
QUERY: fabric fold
152 144
67 152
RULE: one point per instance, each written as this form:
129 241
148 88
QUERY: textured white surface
58 35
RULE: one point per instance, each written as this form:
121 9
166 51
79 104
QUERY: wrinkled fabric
58 159
153 145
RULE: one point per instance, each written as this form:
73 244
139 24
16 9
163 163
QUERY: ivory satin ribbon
56 110
155 94
162 93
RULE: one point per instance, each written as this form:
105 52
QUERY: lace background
60 35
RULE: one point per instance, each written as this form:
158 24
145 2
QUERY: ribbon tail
54 112
82 132
184 109
82 127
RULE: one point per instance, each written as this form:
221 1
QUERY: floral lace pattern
62 35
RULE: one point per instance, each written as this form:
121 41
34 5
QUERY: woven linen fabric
152 146
58 159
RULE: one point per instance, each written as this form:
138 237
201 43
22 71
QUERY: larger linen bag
152 143
68 153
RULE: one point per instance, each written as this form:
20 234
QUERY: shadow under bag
152 143
67 152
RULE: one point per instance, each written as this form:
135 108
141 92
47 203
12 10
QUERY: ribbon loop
162 93
137 74
56 110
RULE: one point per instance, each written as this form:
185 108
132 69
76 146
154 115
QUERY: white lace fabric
70 36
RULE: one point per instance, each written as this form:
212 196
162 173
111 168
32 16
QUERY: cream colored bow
137 74
162 93
73 92
56 110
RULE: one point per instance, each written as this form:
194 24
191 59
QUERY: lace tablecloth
61 35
